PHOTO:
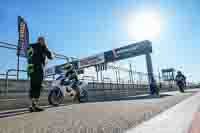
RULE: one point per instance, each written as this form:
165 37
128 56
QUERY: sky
81 28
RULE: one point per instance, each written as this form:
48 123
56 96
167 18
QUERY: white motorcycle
62 87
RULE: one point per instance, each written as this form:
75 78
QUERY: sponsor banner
23 41
132 50
92 61
101 67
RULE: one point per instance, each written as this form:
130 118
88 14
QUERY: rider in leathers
72 75
181 77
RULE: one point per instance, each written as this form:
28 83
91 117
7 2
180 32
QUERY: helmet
179 72
68 66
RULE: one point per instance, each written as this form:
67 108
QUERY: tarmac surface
181 118
21 100
100 117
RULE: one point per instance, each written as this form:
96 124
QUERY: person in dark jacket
153 87
37 54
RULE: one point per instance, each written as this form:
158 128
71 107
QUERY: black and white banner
92 60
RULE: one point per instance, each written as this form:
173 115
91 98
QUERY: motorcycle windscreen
61 77
180 79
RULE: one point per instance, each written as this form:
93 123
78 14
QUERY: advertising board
92 60
131 50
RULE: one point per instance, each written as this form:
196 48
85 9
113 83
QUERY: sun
144 26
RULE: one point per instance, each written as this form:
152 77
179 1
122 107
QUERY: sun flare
144 26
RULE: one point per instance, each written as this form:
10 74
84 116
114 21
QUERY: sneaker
35 107
38 109
32 109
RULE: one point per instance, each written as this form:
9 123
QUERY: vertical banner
23 41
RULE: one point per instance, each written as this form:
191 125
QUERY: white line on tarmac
3 100
26 109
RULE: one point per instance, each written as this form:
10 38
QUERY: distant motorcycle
181 84
62 87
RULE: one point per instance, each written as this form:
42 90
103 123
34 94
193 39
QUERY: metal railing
106 87
120 82
107 79
7 76
15 47
4 75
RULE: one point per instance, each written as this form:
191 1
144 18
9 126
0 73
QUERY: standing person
37 54
153 87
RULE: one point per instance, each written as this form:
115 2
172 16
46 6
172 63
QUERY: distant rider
180 78
72 75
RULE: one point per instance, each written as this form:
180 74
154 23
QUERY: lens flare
144 26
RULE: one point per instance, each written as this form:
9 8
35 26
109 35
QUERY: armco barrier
16 86
97 91
112 91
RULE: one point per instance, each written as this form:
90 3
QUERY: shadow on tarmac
106 99
143 97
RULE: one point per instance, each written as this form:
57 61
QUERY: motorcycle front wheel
55 97
181 89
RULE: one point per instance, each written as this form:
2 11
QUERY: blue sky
81 28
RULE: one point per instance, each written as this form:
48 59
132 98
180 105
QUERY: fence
11 61
106 89
120 79
118 74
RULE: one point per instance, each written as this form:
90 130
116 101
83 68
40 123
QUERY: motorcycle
181 84
62 87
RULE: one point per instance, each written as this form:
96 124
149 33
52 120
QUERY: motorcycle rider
37 54
72 75
180 78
